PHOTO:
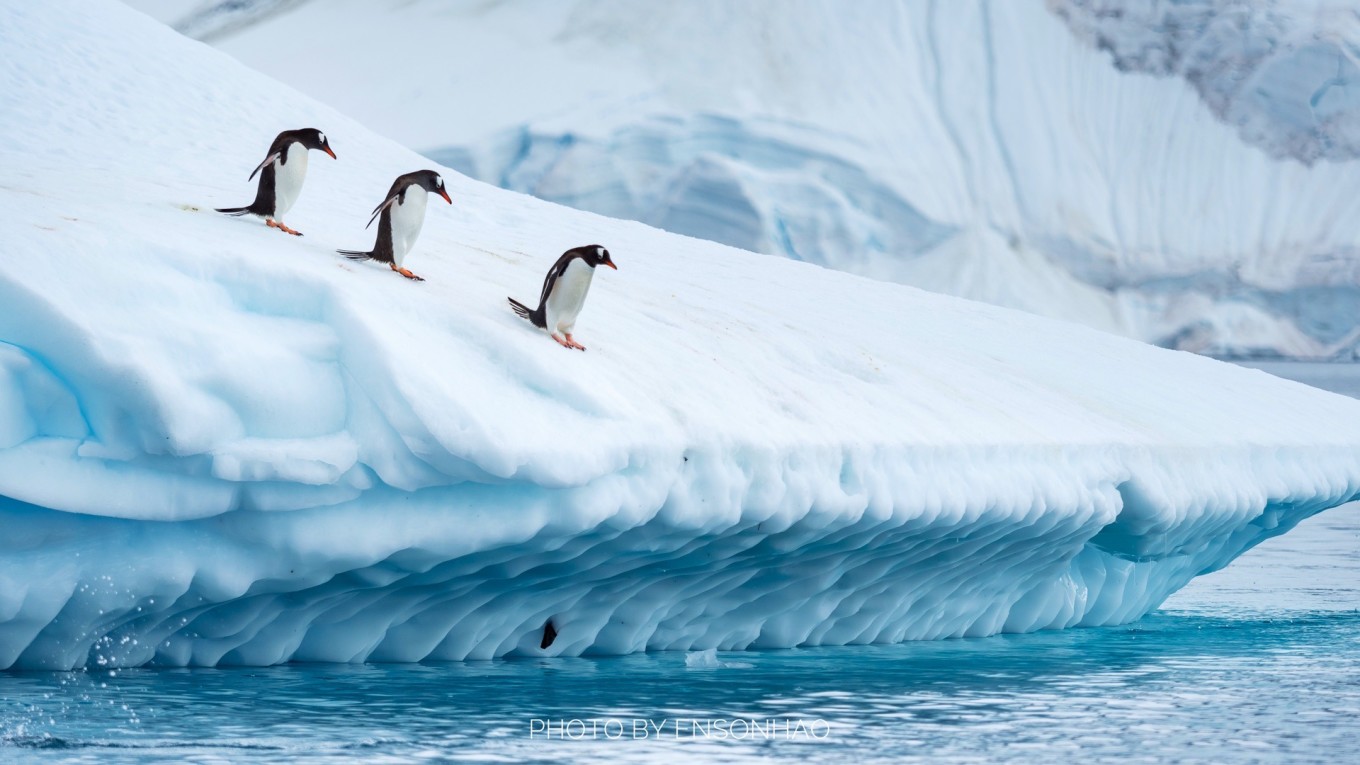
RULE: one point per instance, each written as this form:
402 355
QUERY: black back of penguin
591 254
425 179
265 193
384 247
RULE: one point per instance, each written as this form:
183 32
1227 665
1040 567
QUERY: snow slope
977 148
223 445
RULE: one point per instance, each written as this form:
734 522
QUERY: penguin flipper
356 255
378 210
234 210
262 165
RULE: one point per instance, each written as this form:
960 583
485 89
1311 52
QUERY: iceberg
220 445
1179 173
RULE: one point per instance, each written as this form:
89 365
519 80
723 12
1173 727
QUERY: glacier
1179 173
1283 72
223 446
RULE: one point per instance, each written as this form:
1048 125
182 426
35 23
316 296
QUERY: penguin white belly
407 219
568 295
288 177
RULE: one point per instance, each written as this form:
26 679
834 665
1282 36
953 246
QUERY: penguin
402 215
281 179
564 292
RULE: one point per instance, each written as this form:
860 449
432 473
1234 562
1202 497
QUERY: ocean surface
1259 662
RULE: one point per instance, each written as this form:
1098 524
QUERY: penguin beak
610 263
445 195
327 149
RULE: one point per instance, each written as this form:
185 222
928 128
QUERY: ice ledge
783 551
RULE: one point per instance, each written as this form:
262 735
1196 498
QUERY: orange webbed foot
280 225
406 273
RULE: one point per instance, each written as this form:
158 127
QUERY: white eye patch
321 135
600 251
439 182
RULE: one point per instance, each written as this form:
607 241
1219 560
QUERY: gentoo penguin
564 292
281 179
402 214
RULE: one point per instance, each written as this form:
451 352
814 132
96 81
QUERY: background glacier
1176 172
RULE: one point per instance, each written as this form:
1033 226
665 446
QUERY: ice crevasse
222 445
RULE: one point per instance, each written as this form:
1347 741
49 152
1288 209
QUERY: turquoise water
1257 663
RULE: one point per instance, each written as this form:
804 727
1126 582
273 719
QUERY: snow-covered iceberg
223 445
979 148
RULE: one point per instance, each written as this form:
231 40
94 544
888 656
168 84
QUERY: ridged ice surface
223 445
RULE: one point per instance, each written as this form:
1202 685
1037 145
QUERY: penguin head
431 182
315 139
595 255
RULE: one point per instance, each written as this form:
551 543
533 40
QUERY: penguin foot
278 224
562 342
406 273
571 343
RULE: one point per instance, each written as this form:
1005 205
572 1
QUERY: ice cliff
1175 172
223 445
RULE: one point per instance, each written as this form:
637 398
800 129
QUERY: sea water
1257 663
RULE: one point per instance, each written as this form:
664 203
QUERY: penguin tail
523 311
356 255
234 210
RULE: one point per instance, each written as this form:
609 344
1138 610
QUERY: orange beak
445 195
610 263
327 149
